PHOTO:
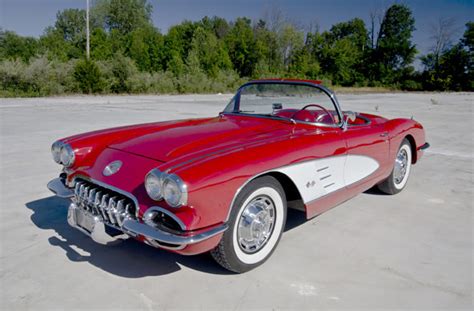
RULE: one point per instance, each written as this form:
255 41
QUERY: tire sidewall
270 187
404 146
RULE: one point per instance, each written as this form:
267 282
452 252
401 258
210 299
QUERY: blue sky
30 17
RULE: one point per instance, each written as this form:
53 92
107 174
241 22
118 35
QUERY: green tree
88 76
341 51
101 45
13 46
394 51
125 16
71 24
453 69
267 51
241 46
290 40
177 43
145 47
210 52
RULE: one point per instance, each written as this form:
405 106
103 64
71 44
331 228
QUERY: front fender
400 129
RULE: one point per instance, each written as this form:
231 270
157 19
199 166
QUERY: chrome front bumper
102 233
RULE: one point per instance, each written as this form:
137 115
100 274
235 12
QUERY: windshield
285 100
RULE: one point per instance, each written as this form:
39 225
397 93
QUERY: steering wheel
326 112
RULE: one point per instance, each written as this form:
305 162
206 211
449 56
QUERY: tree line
129 55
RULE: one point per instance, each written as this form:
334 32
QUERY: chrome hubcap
256 224
401 164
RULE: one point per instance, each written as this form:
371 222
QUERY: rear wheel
401 170
256 223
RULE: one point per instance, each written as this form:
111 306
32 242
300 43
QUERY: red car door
367 153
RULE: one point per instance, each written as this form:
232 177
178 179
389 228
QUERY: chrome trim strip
58 188
280 119
135 227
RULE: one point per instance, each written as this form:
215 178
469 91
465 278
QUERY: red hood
192 137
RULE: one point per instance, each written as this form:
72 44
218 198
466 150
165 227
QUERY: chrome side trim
135 227
58 188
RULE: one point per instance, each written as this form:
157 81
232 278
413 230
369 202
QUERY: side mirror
348 116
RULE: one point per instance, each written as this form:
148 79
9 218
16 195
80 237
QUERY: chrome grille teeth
97 201
119 210
81 191
111 209
77 189
91 199
111 206
103 206
85 193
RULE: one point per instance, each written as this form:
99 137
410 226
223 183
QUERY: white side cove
318 178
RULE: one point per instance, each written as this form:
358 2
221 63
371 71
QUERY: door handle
384 134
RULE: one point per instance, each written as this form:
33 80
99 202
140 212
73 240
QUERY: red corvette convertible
224 184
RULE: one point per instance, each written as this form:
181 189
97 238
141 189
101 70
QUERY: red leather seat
305 115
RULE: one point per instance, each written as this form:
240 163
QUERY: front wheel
401 170
256 223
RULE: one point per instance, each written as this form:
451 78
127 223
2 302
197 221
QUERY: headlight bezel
167 180
154 173
57 149
181 187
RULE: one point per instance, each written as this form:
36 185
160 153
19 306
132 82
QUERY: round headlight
66 155
56 151
174 191
153 184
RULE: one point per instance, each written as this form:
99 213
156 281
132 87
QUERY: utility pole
87 31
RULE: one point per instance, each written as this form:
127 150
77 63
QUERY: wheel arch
294 199
412 142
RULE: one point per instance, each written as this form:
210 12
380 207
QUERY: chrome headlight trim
70 157
56 151
181 187
158 176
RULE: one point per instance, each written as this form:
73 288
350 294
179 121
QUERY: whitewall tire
401 170
256 223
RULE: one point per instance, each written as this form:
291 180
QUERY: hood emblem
112 168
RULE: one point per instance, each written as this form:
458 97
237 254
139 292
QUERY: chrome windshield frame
324 89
